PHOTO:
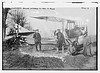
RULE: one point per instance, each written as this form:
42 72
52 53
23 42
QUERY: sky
85 15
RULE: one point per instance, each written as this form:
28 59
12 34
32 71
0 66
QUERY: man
78 46
37 38
60 40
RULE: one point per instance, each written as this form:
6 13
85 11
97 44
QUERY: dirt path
44 53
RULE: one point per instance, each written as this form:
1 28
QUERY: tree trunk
4 17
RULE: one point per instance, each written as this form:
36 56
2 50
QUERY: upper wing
22 33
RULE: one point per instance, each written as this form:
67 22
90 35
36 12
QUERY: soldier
37 38
60 39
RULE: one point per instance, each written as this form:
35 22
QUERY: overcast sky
86 15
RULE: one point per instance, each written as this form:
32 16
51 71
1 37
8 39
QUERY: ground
27 57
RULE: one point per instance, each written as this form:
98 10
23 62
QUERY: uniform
60 41
37 38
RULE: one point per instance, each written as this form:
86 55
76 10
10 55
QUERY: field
27 57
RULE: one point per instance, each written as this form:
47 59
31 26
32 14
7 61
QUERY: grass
80 62
14 60
75 61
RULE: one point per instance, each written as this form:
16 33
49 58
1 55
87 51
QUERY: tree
18 16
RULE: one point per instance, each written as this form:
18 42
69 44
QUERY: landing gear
15 42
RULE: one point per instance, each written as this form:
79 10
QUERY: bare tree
18 16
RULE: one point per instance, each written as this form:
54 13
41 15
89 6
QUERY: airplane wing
24 34
8 37
21 33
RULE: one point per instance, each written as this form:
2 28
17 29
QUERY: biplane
70 28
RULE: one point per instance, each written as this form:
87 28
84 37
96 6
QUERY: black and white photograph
49 38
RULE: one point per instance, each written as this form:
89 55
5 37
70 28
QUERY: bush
5 46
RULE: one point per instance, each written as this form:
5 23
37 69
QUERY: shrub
5 46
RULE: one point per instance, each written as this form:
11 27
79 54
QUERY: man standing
60 39
37 38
